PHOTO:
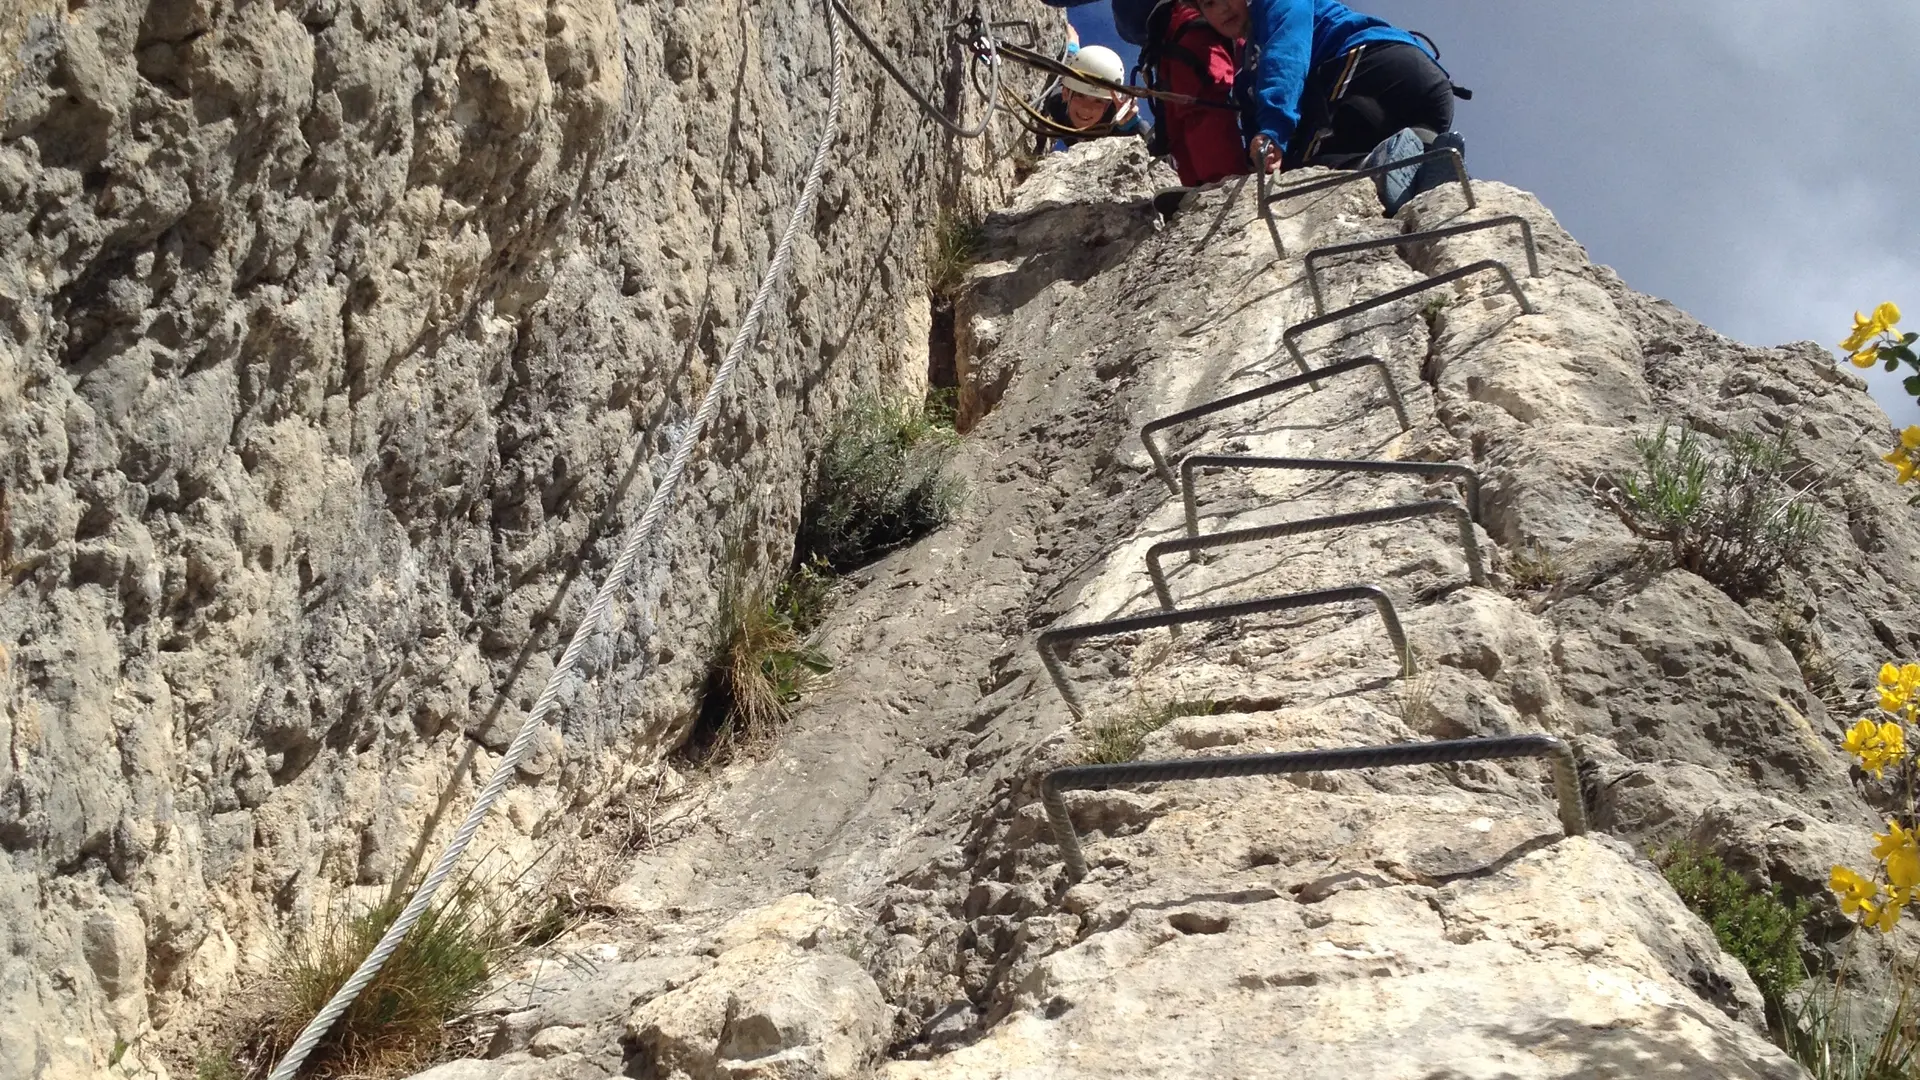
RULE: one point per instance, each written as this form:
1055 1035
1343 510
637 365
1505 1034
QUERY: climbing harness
1343 367
1292 335
1566 775
637 539
1318 254
1193 545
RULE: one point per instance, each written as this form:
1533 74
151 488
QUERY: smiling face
1084 110
1228 17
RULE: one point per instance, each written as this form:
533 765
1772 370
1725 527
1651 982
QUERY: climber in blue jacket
1322 84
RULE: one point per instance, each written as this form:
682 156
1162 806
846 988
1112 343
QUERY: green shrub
1754 926
399 1021
1734 519
882 482
1120 739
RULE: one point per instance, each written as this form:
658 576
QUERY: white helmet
1099 62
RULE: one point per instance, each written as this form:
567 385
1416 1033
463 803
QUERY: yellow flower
1899 686
1903 460
1876 745
1884 919
1898 852
1869 329
1856 893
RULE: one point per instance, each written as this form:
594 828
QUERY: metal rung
1566 775
1050 640
1188 466
1381 516
1295 191
1317 254
1221 404
1293 333
1265 203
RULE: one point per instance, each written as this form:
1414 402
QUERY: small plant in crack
762 667
1534 569
1116 740
882 481
1818 670
1754 926
1734 518
955 244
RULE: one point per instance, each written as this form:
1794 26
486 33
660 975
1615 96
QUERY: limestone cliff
1419 923
336 337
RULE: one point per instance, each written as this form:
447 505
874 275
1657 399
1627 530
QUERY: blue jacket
1286 41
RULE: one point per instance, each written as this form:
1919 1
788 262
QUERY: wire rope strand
636 539
926 106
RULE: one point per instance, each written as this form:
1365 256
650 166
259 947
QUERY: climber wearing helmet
1322 84
1089 107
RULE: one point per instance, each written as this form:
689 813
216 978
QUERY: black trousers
1354 102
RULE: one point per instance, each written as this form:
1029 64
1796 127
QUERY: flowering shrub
1879 900
1876 341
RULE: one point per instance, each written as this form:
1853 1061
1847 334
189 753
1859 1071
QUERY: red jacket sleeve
1205 142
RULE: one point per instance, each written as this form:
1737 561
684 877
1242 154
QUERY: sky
1757 162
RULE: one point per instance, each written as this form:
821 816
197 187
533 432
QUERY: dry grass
1534 569
399 1022
762 668
1120 739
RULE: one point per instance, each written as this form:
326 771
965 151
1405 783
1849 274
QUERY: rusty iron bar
1566 775
1380 516
1264 186
1050 641
1315 256
1343 367
1291 337
1295 191
1188 466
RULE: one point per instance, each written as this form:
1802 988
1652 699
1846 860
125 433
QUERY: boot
1395 187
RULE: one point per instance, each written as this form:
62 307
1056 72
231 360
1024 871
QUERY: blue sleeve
1283 32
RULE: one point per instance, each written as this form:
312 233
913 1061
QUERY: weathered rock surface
1427 922
337 338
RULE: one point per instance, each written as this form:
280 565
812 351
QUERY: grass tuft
1120 739
764 664
1733 518
882 482
1534 569
399 1021
955 244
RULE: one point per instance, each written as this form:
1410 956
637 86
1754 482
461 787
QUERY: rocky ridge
1423 922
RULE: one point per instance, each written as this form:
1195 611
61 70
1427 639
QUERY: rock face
337 340
1419 922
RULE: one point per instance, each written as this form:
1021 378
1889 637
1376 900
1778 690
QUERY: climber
1088 107
1186 55
1322 84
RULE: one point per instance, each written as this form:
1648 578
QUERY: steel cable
993 63
637 538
